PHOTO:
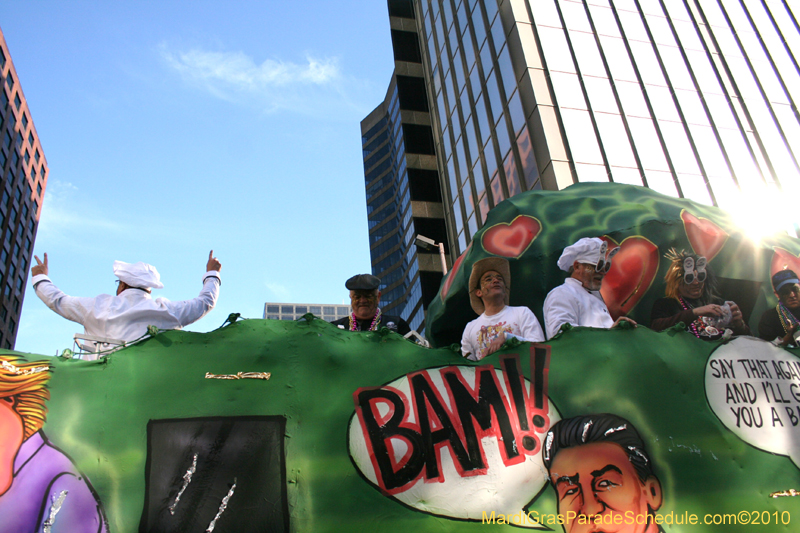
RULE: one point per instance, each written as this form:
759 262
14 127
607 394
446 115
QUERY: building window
24 211
18 195
31 221
16 249
24 121
3 98
2 64
20 284
19 138
30 141
27 245
6 198
10 81
36 155
11 268
14 158
17 101
3 314
12 326
27 157
23 264
9 140
13 216
8 291
16 304
43 171
3 160
39 190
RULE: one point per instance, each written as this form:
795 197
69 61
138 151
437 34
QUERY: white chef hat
586 250
140 275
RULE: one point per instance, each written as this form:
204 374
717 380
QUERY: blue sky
171 128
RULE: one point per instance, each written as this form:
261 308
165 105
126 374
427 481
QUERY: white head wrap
586 250
140 275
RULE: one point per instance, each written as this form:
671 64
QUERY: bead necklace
788 320
372 327
703 329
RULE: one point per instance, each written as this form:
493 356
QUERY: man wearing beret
365 315
578 301
780 323
127 315
489 286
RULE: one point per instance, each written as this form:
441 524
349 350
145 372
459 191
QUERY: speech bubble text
456 441
754 389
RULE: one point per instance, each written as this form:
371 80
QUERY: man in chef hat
126 315
578 301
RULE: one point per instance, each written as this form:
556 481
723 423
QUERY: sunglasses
694 271
604 264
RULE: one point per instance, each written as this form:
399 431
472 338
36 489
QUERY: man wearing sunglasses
578 301
780 323
126 315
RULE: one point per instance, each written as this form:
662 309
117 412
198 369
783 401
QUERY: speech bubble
754 389
456 441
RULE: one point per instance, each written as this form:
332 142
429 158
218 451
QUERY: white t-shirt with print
519 322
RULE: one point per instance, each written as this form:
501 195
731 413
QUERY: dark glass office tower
24 173
402 181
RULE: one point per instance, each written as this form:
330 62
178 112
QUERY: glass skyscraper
692 98
24 174
402 182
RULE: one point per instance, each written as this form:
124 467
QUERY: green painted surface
99 411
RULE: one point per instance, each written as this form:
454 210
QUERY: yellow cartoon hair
26 383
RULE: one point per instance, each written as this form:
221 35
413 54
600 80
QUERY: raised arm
189 311
69 307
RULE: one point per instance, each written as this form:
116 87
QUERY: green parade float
299 426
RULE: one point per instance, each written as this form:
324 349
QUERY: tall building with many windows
402 182
692 98
284 311
24 173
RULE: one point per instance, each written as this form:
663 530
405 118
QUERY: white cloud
281 293
272 85
63 215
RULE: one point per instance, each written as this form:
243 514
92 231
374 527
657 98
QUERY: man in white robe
578 301
126 315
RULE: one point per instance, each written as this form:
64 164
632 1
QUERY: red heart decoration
783 259
632 272
706 238
453 271
511 240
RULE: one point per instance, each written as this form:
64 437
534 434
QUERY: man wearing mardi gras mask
40 488
602 475
691 298
578 301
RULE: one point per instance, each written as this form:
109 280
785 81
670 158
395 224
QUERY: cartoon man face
598 480
11 434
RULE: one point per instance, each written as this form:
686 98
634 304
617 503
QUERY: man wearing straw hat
578 301
489 286
127 315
